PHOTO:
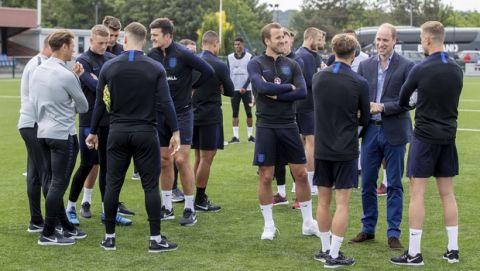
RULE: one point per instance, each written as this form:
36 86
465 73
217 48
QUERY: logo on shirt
172 62
172 78
106 98
277 80
286 70
261 158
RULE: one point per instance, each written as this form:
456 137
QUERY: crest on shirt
286 70
277 80
106 98
172 62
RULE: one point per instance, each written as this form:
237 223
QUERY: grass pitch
230 239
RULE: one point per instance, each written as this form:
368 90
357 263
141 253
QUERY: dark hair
266 31
210 37
344 45
136 31
165 24
112 22
60 37
240 39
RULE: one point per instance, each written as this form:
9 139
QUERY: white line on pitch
10 97
469 110
470 100
468 130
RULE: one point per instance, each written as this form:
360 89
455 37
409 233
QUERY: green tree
210 22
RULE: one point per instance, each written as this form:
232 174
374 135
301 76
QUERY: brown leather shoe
362 237
394 243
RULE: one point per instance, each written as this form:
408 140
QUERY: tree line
246 17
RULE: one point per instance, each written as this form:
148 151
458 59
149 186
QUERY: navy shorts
208 137
185 126
246 98
338 174
426 160
275 146
306 123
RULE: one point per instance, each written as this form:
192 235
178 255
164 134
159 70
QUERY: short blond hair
136 31
99 30
435 30
312 32
344 45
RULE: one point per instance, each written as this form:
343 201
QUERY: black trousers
59 158
37 179
89 158
144 147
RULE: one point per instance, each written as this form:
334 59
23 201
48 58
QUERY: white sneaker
311 228
268 233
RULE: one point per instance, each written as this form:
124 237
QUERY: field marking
470 100
468 130
469 110
9 97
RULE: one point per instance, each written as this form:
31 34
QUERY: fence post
14 64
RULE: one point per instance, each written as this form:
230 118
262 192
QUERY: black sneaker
85 210
340 261
166 214
234 140
76 233
108 243
32 227
56 239
251 139
206 206
123 210
321 256
189 218
451 256
406 259
162 246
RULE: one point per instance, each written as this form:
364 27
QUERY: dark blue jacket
397 124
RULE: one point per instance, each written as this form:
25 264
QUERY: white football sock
414 242
188 202
235 131
157 238
306 208
87 195
267 214
385 178
167 199
325 239
335 246
71 205
249 131
452 232
281 190
109 235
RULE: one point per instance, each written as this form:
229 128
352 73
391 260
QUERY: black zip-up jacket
207 99
133 89
439 81
311 64
92 64
338 93
179 63
272 77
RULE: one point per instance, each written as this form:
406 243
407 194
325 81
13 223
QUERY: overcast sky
457 4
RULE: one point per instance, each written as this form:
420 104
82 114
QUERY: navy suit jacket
397 124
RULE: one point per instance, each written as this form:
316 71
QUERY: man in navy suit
386 135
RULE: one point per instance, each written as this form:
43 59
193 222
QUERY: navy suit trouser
375 147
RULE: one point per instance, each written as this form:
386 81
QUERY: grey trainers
76 233
189 217
56 239
85 210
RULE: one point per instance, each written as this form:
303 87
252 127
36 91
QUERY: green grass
230 239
